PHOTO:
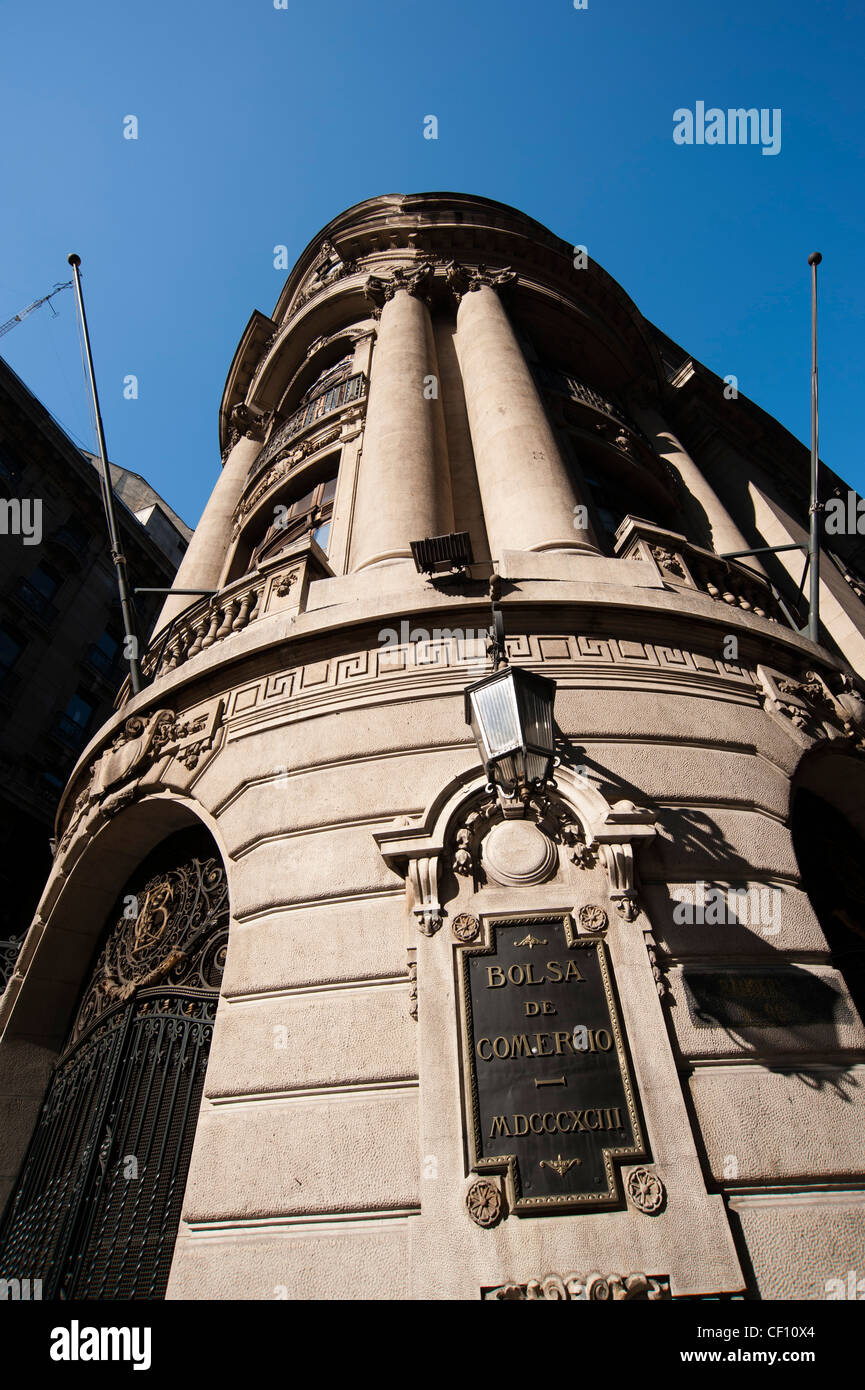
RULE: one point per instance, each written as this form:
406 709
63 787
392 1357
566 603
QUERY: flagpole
815 508
117 554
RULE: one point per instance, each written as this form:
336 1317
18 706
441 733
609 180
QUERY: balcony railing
201 625
564 385
327 402
685 566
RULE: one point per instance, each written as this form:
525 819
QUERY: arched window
309 514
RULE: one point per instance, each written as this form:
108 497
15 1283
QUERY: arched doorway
831 856
97 1204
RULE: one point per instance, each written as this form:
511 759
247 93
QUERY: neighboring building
600 1039
61 647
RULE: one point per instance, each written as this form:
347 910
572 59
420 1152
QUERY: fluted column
403 489
527 493
203 562
726 535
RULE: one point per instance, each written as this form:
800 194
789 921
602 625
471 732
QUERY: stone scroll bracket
423 871
623 826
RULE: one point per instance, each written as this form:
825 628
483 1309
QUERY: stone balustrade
685 566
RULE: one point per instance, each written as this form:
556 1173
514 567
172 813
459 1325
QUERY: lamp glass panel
537 766
537 712
497 717
506 770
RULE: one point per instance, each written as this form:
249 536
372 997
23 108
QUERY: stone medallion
516 852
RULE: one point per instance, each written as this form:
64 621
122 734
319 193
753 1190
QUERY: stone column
725 534
527 493
203 562
403 490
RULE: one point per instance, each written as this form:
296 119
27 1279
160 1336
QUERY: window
10 650
79 710
71 726
103 654
46 581
39 588
308 515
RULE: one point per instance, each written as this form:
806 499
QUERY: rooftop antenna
117 555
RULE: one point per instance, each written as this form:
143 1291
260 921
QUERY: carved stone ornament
285 583
812 707
415 280
645 1191
623 823
514 852
574 816
327 268
668 561
463 279
423 876
517 853
484 1203
465 927
245 424
587 1288
139 748
592 918
412 987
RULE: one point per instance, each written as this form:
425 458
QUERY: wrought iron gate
97 1206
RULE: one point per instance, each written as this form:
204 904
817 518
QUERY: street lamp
511 716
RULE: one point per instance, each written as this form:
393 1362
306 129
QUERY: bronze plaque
548 1091
768 998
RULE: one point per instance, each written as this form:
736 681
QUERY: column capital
245 424
415 280
463 279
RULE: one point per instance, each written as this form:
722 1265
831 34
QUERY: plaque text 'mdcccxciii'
549 1096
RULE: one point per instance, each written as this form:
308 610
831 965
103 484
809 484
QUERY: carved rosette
465 927
484 1203
645 1191
592 918
587 1288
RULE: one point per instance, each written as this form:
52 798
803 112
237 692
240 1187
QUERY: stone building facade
61 647
285 889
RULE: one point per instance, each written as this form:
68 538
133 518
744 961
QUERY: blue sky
258 125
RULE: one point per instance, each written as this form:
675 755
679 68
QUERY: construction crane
19 318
